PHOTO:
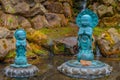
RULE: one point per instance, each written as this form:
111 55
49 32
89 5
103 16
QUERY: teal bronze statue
20 59
20 70
86 21
85 66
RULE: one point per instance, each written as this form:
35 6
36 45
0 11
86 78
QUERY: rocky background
51 29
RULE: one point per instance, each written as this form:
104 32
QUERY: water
48 69
83 4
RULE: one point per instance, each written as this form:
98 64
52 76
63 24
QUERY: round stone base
21 72
74 69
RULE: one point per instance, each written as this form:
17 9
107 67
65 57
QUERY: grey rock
108 42
39 22
104 10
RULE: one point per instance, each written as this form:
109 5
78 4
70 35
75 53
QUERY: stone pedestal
74 69
24 72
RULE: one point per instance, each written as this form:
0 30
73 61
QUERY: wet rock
66 45
39 22
109 42
104 10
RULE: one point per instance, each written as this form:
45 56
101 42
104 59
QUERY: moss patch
59 32
98 31
10 55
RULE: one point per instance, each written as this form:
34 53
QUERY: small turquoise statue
20 59
86 21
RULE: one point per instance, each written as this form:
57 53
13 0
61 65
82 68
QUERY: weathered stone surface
67 10
37 9
104 10
108 42
20 9
39 22
67 45
109 2
4 32
9 21
56 19
7 5
6 46
54 7
23 22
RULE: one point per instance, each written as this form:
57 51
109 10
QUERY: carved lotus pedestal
23 72
75 69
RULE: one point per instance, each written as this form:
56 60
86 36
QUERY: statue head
86 20
20 34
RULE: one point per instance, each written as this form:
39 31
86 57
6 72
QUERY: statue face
20 35
86 20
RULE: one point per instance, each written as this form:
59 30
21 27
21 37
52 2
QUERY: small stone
85 63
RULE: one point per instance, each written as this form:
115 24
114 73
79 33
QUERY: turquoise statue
85 66
20 70
86 21
20 60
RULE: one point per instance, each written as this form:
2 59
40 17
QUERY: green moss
59 48
37 49
59 32
98 30
11 54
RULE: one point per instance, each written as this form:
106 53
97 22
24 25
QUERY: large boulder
23 7
39 22
65 45
104 10
109 42
109 2
54 7
9 21
16 6
67 10
56 19
5 33
24 22
6 46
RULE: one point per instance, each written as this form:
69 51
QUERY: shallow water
48 69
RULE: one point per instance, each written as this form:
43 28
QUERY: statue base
22 72
75 69
19 66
